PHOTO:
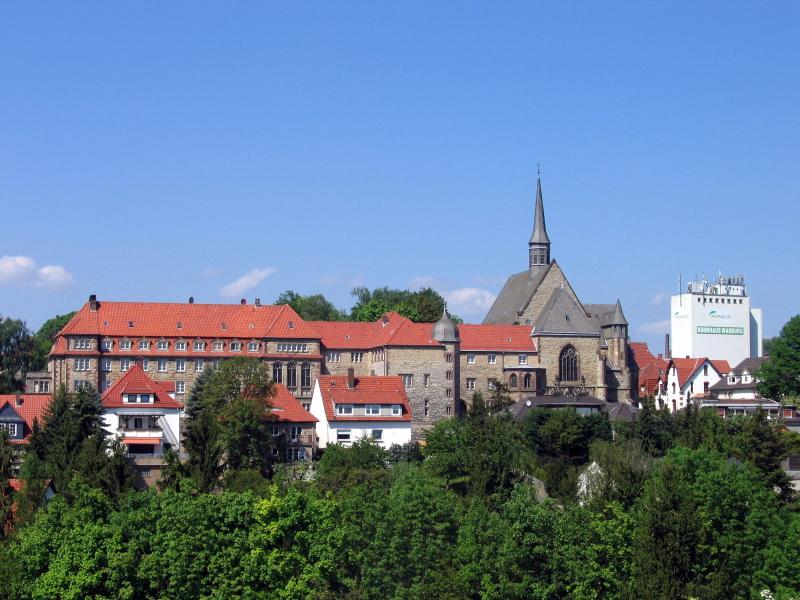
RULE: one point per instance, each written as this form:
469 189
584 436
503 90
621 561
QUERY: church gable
553 280
563 315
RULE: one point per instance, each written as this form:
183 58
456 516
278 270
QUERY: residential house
689 379
18 413
349 408
294 428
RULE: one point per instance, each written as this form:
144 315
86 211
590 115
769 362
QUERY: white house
144 416
349 408
689 378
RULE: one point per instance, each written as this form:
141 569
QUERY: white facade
341 431
675 396
165 425
716 320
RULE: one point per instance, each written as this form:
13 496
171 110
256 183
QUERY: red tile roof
392 329
377 389
159 319
641 354
651 374
136 381
687 367
287 409
32 409
503 338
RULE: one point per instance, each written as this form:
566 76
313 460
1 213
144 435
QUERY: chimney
258 301
191 299
93 303
243 301
351 378
667 351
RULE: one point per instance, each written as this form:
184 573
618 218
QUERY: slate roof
445 330
539 233
373 389
622 411
562 315
521 408
515 296
751 365
287 409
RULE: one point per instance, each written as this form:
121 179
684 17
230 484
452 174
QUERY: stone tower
615 333
539 244
446 332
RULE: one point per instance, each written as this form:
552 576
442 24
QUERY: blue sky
153 151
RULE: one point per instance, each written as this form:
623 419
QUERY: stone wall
591 362
554 279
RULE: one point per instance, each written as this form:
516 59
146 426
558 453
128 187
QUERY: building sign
721 330
716 314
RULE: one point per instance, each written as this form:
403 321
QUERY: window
426 379
252 346
80 384
470 359
470 383
448 375
82 343
216 347
199 365
705 387
523 359
397 410
306 405
344 409
568 364
305 375
276 431
333 357
294 433
356 357
137 399
162 366
125 345
448 392
236 346
108 344
427 406
295 454
145 473
213 364
512 381
180 365
145 364
125 364
144 345
490 384
180 387
199 346
286 347
526 381
162 345
447 410
448 357
492 359
180 346
291 375
277 372
673 387
705 369
81 364
377 435
408 380
342 435
11 428
372 409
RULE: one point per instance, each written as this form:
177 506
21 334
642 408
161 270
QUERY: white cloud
209 273
469 301
22 271
657 299
421 282
655 327
492 281
246 282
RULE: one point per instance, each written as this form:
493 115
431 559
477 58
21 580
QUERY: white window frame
471 358
145 364
144 344
397 410
180 387
180 365
372 410
344 409
217 346
108 344
408 380
252 346
125 345
493 359
82 344
82 364
235 347
377 435
294 433
162 345
198 346
470 383
180 346
199 365
162 366
334 356
125 365
11 428
356 357
523 359
344 435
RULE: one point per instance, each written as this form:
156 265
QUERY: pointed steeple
539 244
618 318
445 330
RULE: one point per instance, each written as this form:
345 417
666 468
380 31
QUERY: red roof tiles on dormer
136 381
374 389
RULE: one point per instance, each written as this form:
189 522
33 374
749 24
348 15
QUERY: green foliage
16 347
779 377
342 468
44 338
8 459
423 306
311 308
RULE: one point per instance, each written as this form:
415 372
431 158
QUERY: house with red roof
18 413
649 369
689 379
294 428
350 407
145 416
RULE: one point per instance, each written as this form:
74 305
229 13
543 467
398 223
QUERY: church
581 348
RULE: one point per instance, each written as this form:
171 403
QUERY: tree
227 426
8 459
423 306
15 354
779 377
44 338
342 468
311 308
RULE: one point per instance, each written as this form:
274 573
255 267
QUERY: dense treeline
672 506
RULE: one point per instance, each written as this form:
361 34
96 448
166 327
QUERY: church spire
539 244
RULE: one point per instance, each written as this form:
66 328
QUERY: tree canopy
780 375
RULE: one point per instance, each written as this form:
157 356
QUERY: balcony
155 433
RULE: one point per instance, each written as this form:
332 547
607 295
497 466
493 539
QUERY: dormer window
125 345
137 398
372 409
162 345
252 346
344 409
236 346
199 346
180 346
108 344
216 346
144 345
397 410
82 343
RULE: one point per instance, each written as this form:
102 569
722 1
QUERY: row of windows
160 365
179 345
720 300
426 405
292 347
522 359
11 428
369 409
291 375
346 435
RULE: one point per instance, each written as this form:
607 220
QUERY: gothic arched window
305 375
512 381
526 381
277 372
568 364
291 375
